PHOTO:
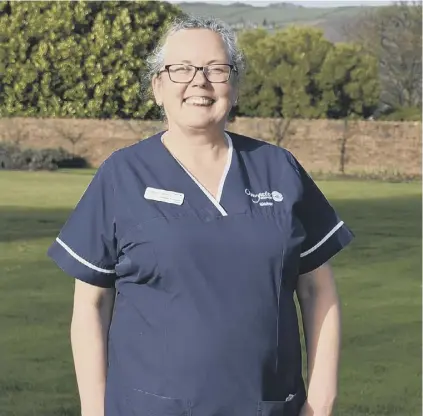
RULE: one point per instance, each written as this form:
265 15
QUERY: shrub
403 114
12 157
78 59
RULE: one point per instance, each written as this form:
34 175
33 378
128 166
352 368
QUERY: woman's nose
199 78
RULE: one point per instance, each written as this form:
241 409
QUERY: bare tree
278 129
14 131
393 34
134 126
343 150
141 129
71 133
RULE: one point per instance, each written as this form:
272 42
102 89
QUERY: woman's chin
200 121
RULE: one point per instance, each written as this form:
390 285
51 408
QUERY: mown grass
379 280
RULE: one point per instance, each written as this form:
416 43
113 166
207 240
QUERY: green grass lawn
379 280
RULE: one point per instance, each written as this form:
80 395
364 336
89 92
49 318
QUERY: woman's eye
181 69
218 70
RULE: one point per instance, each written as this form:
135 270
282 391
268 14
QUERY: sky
310 3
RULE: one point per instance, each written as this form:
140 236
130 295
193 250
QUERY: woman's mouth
199 101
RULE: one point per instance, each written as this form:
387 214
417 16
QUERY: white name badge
162 195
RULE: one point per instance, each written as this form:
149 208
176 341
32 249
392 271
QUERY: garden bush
403 114
12 157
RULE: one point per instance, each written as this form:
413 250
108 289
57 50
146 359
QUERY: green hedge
76 58
84 59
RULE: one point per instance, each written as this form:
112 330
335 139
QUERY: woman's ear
235 97
157 89
235 92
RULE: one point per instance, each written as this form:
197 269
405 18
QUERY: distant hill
278 15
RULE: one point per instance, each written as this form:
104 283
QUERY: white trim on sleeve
81 260
323 240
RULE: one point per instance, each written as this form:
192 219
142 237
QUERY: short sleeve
86 245
326 233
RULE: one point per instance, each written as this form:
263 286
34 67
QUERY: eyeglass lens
186 73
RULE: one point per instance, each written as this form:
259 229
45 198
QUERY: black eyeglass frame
232 68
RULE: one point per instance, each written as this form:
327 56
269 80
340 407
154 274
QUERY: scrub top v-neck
216 201
231 198
205 322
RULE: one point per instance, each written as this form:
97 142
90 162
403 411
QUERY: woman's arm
321 316
92 312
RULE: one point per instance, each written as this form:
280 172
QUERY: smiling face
199 105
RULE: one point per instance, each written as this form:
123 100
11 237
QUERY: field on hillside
235 13
332 20
379 280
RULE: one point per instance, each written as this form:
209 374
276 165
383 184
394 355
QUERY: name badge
162 195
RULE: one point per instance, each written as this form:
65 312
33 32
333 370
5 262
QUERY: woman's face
198 105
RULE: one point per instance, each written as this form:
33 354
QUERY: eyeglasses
184 73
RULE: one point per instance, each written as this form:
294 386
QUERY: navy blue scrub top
205 322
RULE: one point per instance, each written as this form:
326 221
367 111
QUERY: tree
393 35
297 73
281 76
14 133
74 134
251 104
78 59
304 51
349 82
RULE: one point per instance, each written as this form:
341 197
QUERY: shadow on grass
23 224
386 229
381 226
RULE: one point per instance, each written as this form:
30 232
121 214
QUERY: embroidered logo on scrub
265 198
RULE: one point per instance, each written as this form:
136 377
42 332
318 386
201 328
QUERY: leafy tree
297 73
251 103
303 51
77 59
349 81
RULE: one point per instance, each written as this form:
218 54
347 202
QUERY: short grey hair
156 60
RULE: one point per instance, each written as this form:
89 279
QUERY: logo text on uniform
265 198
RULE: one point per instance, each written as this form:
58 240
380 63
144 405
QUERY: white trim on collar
214 201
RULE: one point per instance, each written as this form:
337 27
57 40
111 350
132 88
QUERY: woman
205 236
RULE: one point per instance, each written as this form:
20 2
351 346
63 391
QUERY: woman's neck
195 144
